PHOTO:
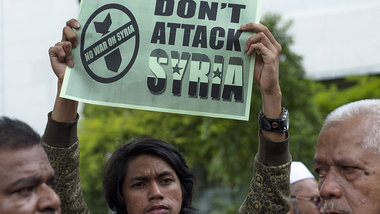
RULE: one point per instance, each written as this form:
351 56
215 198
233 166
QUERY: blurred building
336 38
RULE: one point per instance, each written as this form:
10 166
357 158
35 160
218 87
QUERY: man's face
307 196
349 175
25 179
151 186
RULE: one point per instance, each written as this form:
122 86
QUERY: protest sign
179 56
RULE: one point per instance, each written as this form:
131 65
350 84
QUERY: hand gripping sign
178 56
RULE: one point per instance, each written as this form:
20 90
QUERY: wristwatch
275 125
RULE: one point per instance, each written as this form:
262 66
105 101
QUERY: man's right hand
266 73
60 54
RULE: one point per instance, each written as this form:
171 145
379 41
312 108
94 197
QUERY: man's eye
167 180
26 191
138 185
349 169
351 172
321 173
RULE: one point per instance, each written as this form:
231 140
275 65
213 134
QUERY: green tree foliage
219 151
351 89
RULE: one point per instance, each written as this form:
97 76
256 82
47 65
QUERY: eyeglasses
316 200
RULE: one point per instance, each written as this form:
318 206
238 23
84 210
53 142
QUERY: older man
347 159
25 172
304 190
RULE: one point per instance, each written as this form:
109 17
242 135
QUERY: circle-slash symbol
109 43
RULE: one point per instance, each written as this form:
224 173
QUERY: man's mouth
158 209
332 212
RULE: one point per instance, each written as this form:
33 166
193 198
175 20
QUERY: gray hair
362 107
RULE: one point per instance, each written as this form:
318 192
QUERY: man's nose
48 199
155 192
331 186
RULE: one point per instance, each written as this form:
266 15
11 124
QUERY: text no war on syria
178 56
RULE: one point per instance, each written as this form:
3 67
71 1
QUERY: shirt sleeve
60 142
269 190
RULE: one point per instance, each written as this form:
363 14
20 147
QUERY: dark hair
16 134
116 167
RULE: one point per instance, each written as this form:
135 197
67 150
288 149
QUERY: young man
158 187
25 172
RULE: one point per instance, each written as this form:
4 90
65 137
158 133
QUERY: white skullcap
298 171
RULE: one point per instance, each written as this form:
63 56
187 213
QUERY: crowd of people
41 175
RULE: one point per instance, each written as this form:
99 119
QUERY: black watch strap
275 125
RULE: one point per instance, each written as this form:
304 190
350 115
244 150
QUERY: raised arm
269 189
60 139
64 110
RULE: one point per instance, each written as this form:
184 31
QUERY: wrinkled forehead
348 131
22 162
348 141
340 139
344 148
